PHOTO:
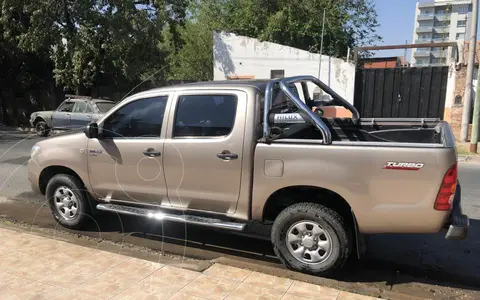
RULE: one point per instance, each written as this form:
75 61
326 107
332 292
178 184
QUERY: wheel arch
287 196
48 172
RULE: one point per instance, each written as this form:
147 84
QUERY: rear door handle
150 152
226 155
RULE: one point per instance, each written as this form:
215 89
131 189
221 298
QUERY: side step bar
161 216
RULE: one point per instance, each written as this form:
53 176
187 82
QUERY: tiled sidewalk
35 267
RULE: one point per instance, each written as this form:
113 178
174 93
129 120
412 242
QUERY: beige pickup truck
231 153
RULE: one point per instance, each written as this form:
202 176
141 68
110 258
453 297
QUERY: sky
396 18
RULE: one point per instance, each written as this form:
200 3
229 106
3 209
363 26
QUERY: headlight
35 150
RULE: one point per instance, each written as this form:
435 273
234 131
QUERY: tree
349 23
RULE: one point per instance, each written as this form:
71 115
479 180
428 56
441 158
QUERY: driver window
139 118
66 106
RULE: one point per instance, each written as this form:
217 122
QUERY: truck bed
375 130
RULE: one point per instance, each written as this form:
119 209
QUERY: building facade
440 21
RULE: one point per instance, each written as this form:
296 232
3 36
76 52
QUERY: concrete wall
237 57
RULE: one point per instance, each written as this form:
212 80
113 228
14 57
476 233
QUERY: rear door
204 149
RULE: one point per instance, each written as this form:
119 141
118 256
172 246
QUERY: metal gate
410 92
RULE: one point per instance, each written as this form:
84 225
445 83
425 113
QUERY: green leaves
349 23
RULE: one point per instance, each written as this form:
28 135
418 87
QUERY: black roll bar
305 111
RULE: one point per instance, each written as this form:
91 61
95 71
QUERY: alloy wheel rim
309 242
66 203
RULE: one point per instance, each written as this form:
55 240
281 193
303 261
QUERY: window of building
205 115
137 119
277 74
460 36
462 23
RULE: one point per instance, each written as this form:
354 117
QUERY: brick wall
456 111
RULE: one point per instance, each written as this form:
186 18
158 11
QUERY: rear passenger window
205 115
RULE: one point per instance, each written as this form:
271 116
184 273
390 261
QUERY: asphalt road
421 256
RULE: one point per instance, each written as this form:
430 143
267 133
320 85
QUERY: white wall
243 56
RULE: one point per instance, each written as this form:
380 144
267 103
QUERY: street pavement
417 255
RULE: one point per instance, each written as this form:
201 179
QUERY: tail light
447 189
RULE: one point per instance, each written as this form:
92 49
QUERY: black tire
41 128
83 206
330 221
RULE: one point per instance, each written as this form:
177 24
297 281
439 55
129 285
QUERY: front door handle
226 155
150 152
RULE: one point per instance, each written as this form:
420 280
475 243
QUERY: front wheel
42 129
68 201
311 238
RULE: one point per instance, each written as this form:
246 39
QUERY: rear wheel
68 201
41 128
311 238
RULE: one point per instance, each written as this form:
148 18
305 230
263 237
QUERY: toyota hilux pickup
226 154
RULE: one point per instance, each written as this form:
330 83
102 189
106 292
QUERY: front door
81 114
61 117
126 162
203 150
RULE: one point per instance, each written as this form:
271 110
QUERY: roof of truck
260 84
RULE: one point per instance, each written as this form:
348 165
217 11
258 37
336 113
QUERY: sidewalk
35 267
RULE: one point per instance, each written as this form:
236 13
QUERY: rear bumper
457 225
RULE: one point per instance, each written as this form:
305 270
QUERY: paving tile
71 276
102 260
183 296
72 254
4 249
103 287
209 287
35 290
228 272
247 291
134 268
307 290
269 281
173 277
69 295
38 269
146 290
288 296
15 242
351 296
9 282
14 259
45 247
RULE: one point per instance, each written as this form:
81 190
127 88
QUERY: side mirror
91 131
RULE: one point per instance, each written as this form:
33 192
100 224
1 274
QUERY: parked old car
74 112
233 153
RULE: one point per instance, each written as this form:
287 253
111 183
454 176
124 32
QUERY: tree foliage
348 23
81 44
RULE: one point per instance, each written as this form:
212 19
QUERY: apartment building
440 21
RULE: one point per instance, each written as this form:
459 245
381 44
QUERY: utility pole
476 117
467 97
321 46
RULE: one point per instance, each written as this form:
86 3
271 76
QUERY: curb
469 158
